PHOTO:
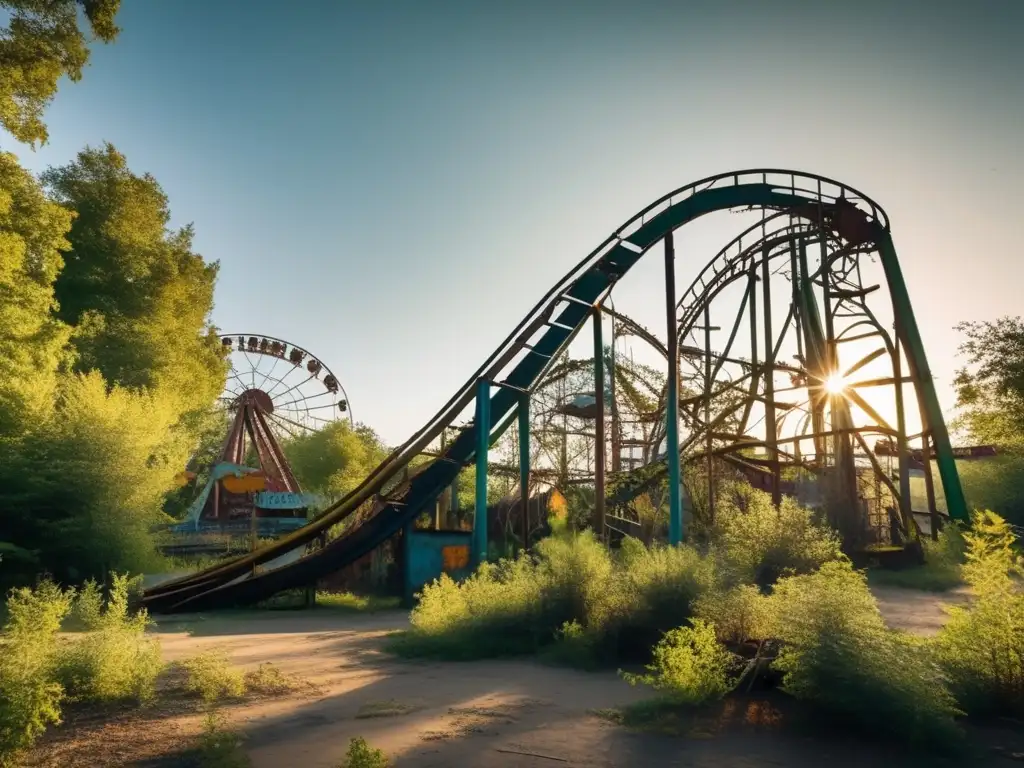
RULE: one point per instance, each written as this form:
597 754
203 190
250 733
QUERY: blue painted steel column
408 589
483 444
675 497
524 464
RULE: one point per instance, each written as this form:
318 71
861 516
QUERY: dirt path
922 613
424 714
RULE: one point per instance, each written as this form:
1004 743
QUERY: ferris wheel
296 390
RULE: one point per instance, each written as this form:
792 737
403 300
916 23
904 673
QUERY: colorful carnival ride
790 357
274 391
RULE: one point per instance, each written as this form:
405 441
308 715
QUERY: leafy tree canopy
32 235
990 388
334 460
42 43
138 295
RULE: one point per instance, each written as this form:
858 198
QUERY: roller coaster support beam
599 454
483 433
902 462
771 430
956 504
675 499
709 443
524 464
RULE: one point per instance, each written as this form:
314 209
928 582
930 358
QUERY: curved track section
385 503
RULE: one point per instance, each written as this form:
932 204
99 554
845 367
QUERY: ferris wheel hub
254 397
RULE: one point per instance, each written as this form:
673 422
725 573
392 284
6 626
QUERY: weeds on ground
982 646
116 660
362 755
837 653
942 569
30 699
220 747
347 601
344 602
267 680
210 676
690 666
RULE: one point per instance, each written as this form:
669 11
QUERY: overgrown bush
602 605
653 591
758 543
574 590
494 612
30 699
210 676
362 755
88 607
690 666
837 653
982 646
738 614
116 660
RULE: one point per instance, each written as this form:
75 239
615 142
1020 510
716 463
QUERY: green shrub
759 543
88 606
837 653
362 755
690 666
653 590
220 747
573 591
738 614
513 606
116 660
982 646
210 676
576 572
29 698
495 612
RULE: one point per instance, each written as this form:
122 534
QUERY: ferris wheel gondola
296 390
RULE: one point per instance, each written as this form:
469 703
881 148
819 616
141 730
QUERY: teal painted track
521 361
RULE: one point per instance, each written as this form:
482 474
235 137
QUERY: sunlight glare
835 384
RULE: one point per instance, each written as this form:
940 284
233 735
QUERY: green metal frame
585 285
910 335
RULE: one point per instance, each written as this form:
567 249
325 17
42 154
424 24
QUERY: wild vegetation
109 372
772 591
41 670
615 604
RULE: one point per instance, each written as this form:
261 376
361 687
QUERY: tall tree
335 459
32 235
990 388
42 43
137 294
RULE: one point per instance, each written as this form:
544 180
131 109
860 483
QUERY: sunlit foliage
42 43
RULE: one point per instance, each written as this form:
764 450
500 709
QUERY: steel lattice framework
800 214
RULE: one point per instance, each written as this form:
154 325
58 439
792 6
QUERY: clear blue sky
392 185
